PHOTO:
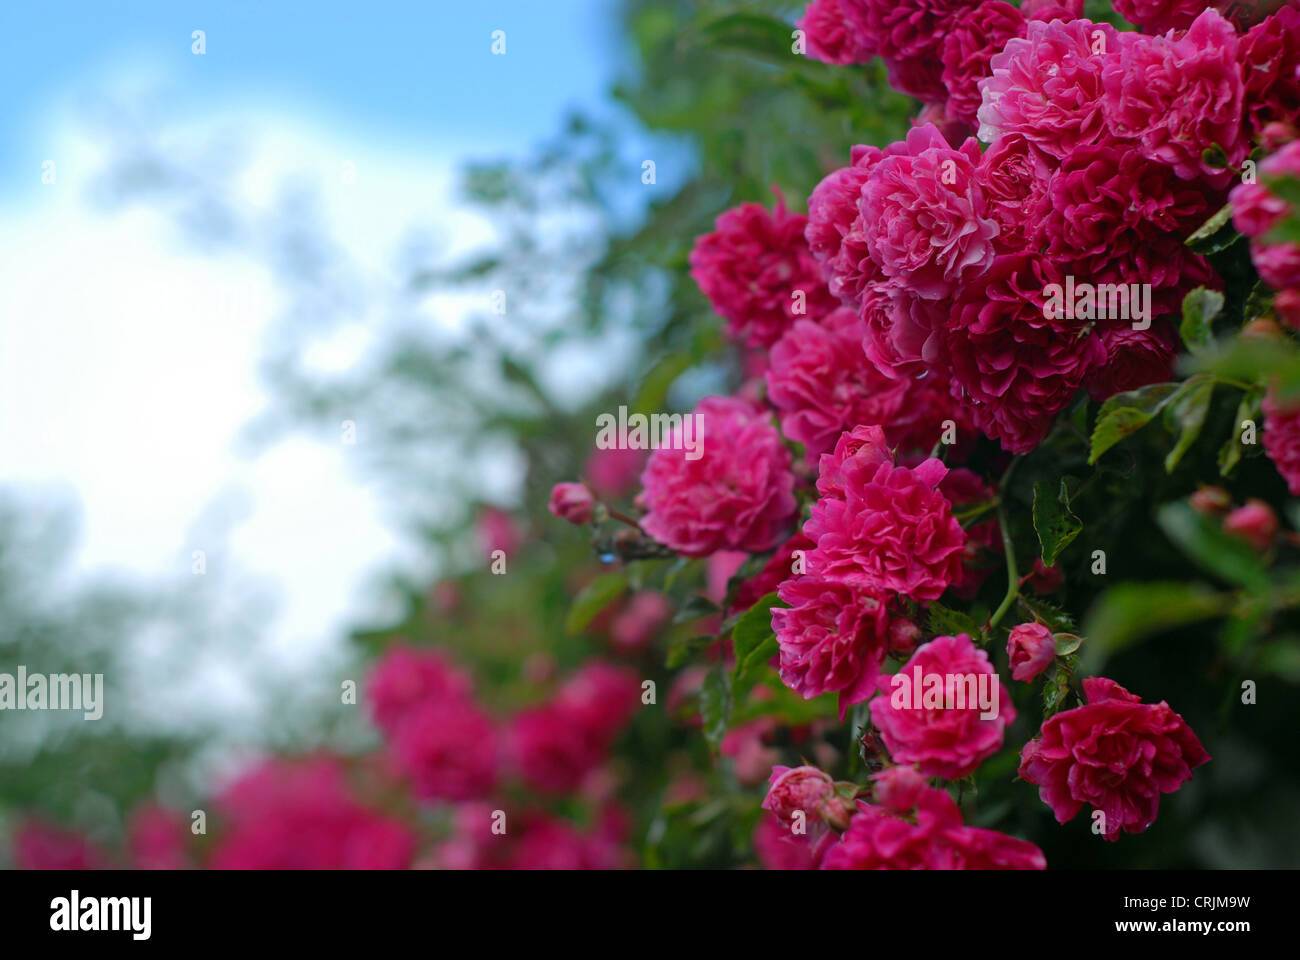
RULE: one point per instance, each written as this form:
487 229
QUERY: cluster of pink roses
914 303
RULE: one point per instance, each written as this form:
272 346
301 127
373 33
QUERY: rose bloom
1282 437
1134 358
1256 210
497 530
1109 206
1270 60
910 30
739 494
836 233
1179 95
893 530
1014 175
833 637
158 839
404 677
858 451
832 32
299 815
920 77
1115 753
880 839
822 383
942 741
38 845
973 39
927 223
448 748
1048 10
1159 16
1020 368
752 267
902 334
1046 86
747 745
1031 649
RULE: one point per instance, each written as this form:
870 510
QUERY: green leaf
1129 612
753 666
1230 453
682 650
696 606
1200 307
753 627
1186 415
946 622
715 704
652 397
1126 413
1203 540
754 644
1215 234
592 599
1055 525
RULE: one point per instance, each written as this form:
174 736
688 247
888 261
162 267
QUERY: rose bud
903 634
1211 500
897 788
799 788
1031 648
1256 523
572 502
1263 329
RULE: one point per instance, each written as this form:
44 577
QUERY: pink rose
759 274
38 845
832 33
898 789
975 36
804 789
927 224
614 471
406 676
1256 210
739 493
572 502
1282 437
1047 87
945 710
1134 358
880 839
645 614
1270 61
300 815
1255 522
1158 16
158 839
1020 368
836 233
1031 649
1177 96
893 529
822 384
833 637
1115 753
448 748
1014 175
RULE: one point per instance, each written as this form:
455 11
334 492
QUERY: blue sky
129 360
419 72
